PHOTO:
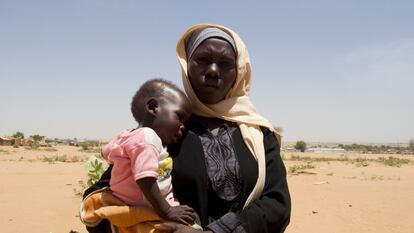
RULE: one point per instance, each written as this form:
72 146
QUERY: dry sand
332 197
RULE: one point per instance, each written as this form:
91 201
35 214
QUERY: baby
141 172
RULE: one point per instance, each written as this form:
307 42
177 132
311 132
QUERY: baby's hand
182 214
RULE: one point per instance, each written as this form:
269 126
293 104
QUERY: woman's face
212 70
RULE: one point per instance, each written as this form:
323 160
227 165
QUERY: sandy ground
330 196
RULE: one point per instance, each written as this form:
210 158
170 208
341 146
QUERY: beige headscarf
236 107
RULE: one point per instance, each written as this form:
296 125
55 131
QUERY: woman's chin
210 97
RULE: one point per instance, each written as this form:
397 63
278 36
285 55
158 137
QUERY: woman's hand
172 227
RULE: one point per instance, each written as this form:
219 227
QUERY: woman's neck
212 123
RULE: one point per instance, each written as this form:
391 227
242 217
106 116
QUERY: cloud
391 62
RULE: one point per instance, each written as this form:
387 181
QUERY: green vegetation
95 170
37 137
91 147
377 149
50 149
316 159
300 145
62 158
19 135
35 145
296 169
36 141
84 146
393 162
359 162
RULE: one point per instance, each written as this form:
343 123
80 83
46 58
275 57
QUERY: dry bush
63 158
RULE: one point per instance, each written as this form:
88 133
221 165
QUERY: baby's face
173 112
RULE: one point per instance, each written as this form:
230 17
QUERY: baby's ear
152 106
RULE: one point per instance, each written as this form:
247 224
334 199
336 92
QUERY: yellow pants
101 204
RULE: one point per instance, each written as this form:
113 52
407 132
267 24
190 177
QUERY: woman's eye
226 64
202 60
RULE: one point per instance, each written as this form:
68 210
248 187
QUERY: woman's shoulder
266 131
270 139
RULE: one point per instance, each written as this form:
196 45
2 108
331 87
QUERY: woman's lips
212 82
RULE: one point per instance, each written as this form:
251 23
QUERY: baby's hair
154 88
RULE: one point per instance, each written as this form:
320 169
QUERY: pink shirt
135 155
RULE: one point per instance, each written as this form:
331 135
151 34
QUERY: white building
326 150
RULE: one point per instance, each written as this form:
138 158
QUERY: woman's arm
271 211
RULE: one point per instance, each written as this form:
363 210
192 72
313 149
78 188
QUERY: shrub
393 162
301 146
95 170
35 145
37 138
296 169
84 146
18 134
62 158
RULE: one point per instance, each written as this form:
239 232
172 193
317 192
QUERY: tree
411 144
18 134
37 138
300 145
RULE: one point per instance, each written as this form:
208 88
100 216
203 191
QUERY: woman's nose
213 71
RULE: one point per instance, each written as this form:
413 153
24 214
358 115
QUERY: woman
228 167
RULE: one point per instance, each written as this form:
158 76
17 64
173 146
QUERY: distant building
7 141
288 149
326 150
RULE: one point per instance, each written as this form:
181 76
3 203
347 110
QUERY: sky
324 71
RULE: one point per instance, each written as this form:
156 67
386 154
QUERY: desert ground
331 193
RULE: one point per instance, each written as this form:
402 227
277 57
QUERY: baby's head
162 106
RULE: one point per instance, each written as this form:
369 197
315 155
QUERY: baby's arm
182 213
